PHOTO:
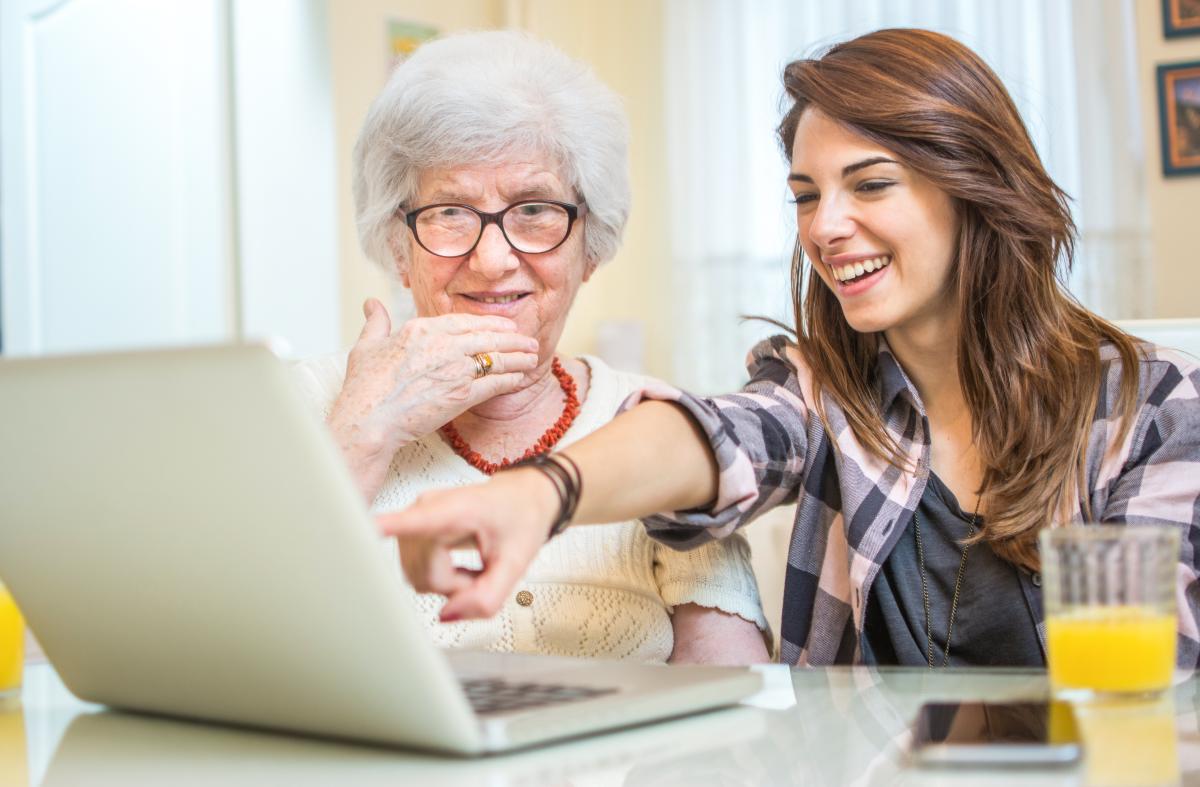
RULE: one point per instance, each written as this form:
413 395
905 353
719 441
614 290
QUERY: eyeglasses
530 226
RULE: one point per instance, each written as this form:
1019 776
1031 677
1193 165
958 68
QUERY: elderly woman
491 177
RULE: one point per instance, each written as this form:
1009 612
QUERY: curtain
1069 65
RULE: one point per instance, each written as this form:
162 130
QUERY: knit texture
602 591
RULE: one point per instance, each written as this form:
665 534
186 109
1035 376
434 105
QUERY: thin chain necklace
962 567
544 443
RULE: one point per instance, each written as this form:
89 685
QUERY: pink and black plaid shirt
852 507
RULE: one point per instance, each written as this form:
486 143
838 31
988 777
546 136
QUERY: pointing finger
484 597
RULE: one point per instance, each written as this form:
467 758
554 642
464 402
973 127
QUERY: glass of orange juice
1109 595
12 647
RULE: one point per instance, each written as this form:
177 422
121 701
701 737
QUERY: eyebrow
531 192
453 194
847 170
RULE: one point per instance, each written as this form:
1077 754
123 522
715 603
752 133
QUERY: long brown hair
1028 353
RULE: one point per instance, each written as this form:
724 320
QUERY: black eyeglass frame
497 218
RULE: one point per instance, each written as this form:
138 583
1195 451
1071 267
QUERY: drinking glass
1109 595
12 647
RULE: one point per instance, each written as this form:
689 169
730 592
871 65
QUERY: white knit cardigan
602 591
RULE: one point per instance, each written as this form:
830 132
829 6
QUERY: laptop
184 539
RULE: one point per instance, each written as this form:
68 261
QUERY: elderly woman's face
533 290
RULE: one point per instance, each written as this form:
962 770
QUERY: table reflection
847 726
1130 742
113 748
14 768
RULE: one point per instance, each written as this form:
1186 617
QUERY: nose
493 256
831 223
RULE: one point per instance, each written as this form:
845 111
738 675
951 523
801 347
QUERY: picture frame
1179 117
1181 18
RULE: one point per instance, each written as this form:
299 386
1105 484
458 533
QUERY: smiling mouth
511 298
848 274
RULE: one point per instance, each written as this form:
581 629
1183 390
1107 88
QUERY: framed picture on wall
1181 18
1179 117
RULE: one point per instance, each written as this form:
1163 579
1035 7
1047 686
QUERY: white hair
475 98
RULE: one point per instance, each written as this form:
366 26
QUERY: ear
400 261
589 268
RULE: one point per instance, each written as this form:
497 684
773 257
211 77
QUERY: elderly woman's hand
507 519
401 386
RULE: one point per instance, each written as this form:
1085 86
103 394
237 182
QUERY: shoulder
775 358
320 377
778 370
610 384
1166 418
1164 376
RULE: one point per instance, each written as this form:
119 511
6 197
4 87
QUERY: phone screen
1002 732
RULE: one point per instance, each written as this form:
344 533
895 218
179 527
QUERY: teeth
856 269
501 299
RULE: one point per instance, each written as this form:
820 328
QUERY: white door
116 173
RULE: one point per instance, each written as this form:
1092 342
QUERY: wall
282 96
620 39
1174 202
358 43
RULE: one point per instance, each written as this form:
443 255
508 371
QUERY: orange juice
1118 649
12 642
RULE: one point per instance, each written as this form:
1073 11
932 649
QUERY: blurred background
177 171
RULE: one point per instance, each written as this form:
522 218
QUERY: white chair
1178 334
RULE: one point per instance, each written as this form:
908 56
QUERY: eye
874 186
803 198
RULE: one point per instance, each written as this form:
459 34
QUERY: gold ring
483 363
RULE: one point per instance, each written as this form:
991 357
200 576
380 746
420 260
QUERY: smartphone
996 733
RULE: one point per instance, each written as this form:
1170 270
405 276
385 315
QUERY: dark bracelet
568 483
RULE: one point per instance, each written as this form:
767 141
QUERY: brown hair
1028 353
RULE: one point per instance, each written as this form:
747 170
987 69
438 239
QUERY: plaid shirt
852 507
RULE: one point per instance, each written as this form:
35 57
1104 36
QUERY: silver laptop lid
183 538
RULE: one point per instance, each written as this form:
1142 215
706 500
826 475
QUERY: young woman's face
879 235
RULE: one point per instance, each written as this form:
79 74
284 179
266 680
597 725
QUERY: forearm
649 459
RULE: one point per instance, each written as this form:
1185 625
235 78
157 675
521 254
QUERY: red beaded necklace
544 443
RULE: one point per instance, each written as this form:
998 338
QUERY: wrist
541 495
367 455
560 489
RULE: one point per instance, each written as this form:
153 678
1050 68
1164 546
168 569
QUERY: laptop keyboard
496 695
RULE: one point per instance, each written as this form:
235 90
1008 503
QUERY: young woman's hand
507 519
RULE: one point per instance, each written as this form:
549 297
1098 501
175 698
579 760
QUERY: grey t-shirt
993 625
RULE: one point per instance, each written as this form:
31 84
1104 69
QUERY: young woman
942 401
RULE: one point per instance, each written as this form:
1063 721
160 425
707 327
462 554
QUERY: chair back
1178 334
